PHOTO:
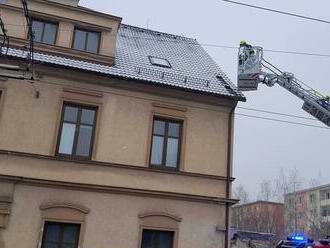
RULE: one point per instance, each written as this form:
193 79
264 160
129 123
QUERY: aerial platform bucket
249 68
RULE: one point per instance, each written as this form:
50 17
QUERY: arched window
159 230
62 225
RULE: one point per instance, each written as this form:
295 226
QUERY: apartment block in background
259 216
123 138
308 212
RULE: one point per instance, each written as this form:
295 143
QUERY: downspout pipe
228 181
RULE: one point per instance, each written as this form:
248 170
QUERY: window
301 215
60 235
325 210
159 62
312 197
86 40
301 200
165 144
44 31
157 239
76 131
325 194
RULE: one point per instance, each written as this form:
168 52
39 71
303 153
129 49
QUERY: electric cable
272 66
283 121
5 41
30 36
278 113
278 11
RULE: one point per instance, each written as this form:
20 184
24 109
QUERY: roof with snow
156 58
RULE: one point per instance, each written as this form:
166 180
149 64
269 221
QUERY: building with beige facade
308 212
112 136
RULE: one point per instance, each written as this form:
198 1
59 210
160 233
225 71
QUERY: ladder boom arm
251 72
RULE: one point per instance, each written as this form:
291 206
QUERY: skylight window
159 62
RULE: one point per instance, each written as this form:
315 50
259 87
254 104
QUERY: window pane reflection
70 113
93 42
37 30
84 140
159 127
172 152
157 150
165 240
79 39
52 232
67 138
174 129
148 239
49 33
87 116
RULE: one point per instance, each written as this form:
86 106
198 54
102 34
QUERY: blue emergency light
298 238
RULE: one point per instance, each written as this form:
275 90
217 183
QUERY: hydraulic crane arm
254 69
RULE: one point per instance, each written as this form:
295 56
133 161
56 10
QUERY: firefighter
249 52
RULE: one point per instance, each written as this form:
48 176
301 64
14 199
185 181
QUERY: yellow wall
113 219
124 123
67 16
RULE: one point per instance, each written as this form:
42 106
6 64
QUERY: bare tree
241 194
266 191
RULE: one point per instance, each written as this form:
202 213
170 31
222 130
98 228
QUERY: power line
283 121
278 113
5 41
278 11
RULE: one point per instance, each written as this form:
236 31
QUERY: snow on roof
191 68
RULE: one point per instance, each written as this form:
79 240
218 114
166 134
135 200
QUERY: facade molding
161 214
116 190
107 164
68 7
65 205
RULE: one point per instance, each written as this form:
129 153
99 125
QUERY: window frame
157 235
86 40
80 106
44 22
59 243
160 221
166 136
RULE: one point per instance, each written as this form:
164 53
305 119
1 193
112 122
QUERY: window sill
73 157
165 168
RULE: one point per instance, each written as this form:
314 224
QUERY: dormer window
44 32
159 62
86 40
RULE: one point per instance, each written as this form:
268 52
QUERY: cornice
116 190
123 166
72 8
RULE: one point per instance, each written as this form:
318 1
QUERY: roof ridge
150 31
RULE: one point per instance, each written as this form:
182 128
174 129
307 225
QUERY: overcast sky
261 147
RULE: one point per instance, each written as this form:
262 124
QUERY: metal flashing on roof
191 67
